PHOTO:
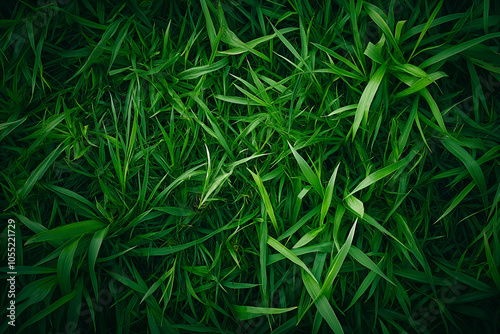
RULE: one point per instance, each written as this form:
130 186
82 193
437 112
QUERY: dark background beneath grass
163 159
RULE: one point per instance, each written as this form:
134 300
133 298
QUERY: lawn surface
250 166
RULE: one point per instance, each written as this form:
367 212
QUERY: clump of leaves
242 166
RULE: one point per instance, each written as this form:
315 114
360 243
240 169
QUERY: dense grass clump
248 166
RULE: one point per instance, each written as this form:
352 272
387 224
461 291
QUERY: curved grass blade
265 198
250 312
67 231
196 72
456 200
309 236
469 162
289 255
311 177
337 263
366 98
99 49
40 171
364 260
95 245
457 49
327 199
64 264
321 302
381 173
47 310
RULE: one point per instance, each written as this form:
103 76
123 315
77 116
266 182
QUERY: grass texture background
249 166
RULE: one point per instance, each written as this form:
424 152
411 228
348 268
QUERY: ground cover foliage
251 166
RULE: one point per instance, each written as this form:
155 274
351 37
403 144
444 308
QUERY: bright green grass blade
470 163
265 198
311 177
196 72
250 312
327 199
209 23
292 230
237 285
309 236
191 173
240 47
374 53
434 108
381 173
411 69
355 205
237 100
339 72
216 185
289 46
420 84
217 133
366 98
288 254
415 248
374 13
337 262
167 293
321 302
370 220
342 109
399 30
338 57
325 247
363 259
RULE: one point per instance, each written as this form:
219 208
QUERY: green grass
248 166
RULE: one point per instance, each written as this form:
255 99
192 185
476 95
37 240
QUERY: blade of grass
38 173
311 177
366 98
265 198
469 162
